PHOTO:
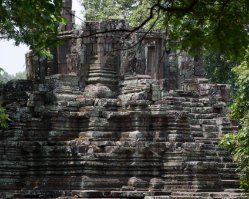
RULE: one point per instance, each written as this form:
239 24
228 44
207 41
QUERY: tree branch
147 19
142 38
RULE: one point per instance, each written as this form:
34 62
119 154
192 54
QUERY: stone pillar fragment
102 57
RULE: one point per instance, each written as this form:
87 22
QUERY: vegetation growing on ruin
3 118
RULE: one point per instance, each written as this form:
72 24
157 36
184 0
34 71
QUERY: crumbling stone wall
143 143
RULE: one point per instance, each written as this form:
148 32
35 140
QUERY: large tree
34 23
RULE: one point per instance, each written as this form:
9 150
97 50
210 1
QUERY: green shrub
3 118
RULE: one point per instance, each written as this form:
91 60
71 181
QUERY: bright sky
12 58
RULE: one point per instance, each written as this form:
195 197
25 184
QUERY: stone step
115 194
225 194
230 183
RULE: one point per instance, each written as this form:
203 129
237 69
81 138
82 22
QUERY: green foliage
238 144
209 26
32 22
108 9
240 107
218 68
190 25
3 118
134 11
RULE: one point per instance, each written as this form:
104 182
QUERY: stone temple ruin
97 121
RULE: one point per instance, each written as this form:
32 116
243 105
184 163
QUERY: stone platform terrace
142 142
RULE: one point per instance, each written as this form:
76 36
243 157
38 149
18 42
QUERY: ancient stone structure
99 122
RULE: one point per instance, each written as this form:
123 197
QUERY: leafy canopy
190 25
31 22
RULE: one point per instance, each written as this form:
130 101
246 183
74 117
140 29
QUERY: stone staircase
67 145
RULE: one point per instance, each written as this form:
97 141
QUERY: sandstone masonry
101 122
